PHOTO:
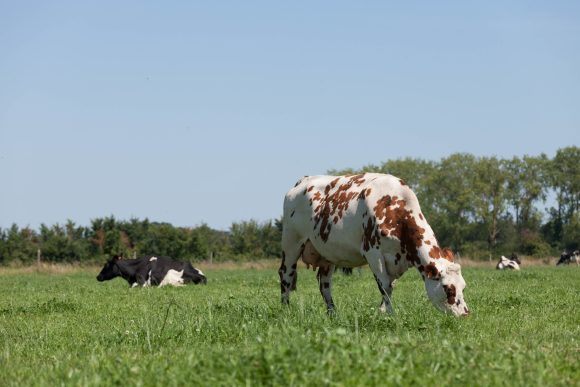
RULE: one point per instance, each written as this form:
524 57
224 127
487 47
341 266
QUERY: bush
533 244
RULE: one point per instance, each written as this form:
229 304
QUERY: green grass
71 330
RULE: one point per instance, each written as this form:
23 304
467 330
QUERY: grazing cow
513 262
151 271
371 218
568 258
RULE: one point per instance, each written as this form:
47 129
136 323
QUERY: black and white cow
513 262
568 258
352 220
151 271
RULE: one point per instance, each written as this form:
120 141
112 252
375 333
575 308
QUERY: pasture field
67 329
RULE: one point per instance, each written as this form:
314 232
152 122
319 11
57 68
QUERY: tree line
247 240
478 206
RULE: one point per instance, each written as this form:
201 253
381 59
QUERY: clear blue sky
190 112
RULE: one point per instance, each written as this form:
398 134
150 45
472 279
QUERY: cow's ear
448 254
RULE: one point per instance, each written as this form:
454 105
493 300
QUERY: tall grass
68 329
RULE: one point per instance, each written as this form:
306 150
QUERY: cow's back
332 211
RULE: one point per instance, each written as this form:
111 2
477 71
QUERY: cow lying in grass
513 262
151 271
349 221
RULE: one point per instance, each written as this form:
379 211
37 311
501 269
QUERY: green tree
490 199
19 245
565 179
245 238
451 192
415 172
164 239
527 184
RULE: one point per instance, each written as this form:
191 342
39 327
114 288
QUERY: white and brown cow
371 218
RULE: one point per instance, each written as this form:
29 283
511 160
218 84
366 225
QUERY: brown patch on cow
331 185
421 216
371 235
402 182
398 222
436 252
316 197
448 254
431 271
364 194
451 293
428 242
310 188
334 204
357 179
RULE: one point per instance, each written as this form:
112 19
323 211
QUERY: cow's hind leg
324 276
378 267
291 251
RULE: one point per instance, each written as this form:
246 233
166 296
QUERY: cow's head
198 277
110 270
515 258
445 285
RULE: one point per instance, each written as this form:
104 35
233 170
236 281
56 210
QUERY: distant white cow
512 262
349 221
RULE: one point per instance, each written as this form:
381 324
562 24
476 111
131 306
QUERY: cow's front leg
324 276
377 265
143 279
